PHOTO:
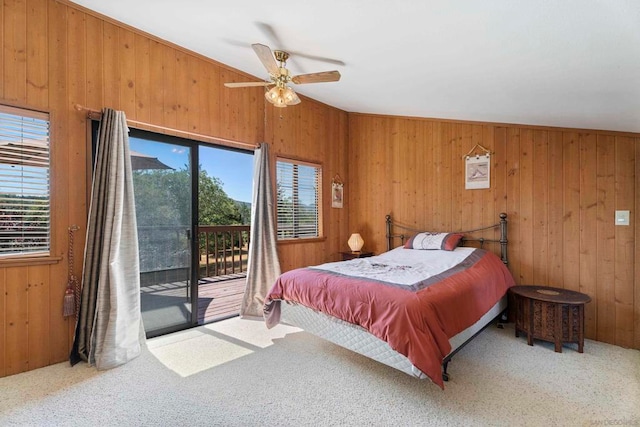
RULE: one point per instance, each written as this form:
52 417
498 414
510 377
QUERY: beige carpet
237 373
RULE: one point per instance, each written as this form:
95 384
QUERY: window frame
49 256
319 205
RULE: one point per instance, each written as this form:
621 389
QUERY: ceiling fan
281 95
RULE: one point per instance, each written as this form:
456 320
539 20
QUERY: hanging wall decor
477 168
337 192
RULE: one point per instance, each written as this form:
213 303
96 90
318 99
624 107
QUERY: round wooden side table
550 314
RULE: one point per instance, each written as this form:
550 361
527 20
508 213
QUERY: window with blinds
24 182
298 188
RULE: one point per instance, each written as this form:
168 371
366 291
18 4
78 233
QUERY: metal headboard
502 225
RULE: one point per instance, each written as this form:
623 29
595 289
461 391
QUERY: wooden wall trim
27 261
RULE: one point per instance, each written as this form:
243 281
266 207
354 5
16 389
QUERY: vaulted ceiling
570 63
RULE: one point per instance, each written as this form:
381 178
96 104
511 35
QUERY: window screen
24 182
298 198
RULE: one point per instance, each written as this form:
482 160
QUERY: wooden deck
218 297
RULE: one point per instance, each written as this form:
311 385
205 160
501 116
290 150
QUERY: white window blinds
24 182
298 199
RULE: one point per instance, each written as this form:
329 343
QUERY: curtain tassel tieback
72 293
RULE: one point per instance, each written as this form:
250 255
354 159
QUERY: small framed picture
477 172
337 194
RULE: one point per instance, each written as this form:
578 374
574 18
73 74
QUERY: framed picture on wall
477 172
337 194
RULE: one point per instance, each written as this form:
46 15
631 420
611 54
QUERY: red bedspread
415 322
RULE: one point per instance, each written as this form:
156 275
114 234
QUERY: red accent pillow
434 241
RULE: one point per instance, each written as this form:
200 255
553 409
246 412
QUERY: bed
412 307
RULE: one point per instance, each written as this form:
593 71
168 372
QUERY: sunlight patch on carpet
195 350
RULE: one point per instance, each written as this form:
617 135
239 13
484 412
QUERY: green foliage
245 212
163 212
163 198
24 223
216 208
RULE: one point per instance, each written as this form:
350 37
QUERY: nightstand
550 314
351 255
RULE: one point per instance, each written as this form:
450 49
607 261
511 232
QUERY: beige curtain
108 331
263 268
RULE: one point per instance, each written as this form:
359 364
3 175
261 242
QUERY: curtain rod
97 115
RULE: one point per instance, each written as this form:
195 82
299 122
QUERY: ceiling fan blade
270 33
275 40
266 57
247 84
296 54
325 76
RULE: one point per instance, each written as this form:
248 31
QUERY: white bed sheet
400 266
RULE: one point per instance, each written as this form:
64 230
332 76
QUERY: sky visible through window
233 168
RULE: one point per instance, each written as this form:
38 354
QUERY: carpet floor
238 373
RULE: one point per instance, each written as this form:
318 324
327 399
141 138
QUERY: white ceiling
570 63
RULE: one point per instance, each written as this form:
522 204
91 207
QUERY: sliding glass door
164 188
193 204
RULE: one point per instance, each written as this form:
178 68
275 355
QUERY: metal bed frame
502 241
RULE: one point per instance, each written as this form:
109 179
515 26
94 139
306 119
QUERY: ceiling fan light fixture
281 96
290 97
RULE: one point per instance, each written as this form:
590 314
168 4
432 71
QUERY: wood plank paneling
540 200
525 196
111 65
489 213
127 72
37 78
182 91
513 200
323 132
194 90
571 215
559 187
499 173
38 303
54 55
5 349
553 183
605 234
623 195
17 320
588 238
156 65
15 50
61 110
170 100
555 172
94 78
142 78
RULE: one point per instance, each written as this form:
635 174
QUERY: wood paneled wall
55 55
316 134
560 189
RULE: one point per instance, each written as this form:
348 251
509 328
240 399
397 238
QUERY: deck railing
223 249
164 251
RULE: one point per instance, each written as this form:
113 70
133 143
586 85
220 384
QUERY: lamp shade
355 242
281 96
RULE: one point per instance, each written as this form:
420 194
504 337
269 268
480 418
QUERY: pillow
434 241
